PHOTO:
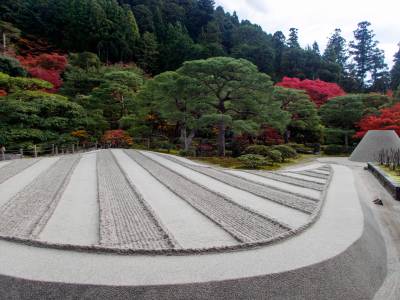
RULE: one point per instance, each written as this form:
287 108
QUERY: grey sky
317 19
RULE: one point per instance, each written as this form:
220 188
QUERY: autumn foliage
45 66
388 119
319 91
117 138
3 93
270 136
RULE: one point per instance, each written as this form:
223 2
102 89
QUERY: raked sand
294 241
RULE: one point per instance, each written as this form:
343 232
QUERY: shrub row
260 155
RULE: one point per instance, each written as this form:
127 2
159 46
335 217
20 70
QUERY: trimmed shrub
287 152
253 161
274 156
258 149
11 66
269 153
190 152
334 149
300 148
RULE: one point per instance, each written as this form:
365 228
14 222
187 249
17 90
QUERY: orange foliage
117 138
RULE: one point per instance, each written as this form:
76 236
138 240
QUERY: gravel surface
125 219
313 174
76 218
23 217
290 180
241 222
298 175
190 228
13 168
302 203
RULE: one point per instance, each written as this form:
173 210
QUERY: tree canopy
238 93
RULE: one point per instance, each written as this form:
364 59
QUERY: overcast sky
317 19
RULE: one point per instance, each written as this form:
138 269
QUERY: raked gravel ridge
235 210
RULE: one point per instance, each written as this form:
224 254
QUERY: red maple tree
3 93
45 66
388 119
319 91
270 136
117 138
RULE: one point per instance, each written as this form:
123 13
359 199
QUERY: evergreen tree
238 93
178 100
341 114
368 58
199 16
395 72
315 48
380 76
336 50
148 53
305 124
178 47
279 42
293 40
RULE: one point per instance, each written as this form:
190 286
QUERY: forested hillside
161 34
184 75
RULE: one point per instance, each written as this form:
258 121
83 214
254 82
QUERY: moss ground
394 174
234 163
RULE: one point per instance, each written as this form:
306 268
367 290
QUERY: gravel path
302 203
25 218
13 168
75 221
241 222
290 180
125 218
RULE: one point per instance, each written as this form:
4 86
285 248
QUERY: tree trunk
287 136
221 138
346 141
186 140
4 42
189 140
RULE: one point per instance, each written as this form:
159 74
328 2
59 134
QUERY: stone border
389 184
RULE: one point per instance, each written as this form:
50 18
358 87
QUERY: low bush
300 148
334 149
253 161
268 153
287 152
164 145
185 153
274 156
258 149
